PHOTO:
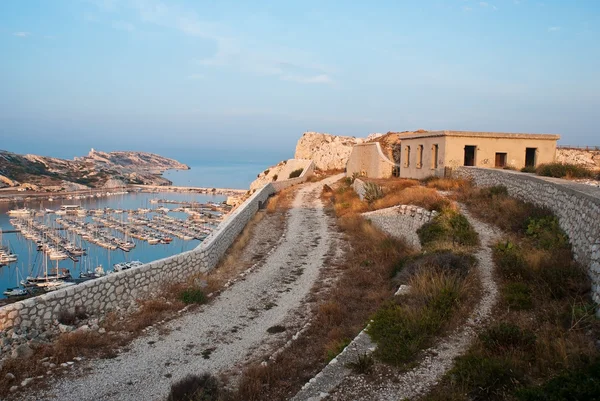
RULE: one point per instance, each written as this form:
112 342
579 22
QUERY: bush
564 170
547 233
486 378
518 296
503 337
196 388
510 261
296 173
528 169
192 296
275 177
497 190
580 384
372 192
449 225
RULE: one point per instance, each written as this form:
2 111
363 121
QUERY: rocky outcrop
96 170
280 172
329 152
7 182
582 157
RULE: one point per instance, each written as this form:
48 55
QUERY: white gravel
234 324
439 359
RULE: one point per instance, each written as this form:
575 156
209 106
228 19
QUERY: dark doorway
530 157
500 159
469 155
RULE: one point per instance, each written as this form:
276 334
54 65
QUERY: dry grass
363 285
426 198
447 184
545 299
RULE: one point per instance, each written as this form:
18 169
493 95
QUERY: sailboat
15 291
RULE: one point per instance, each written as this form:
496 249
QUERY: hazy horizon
216 81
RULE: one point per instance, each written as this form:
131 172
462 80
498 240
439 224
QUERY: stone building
428 153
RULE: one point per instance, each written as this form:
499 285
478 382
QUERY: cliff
583 157
96 170
329 152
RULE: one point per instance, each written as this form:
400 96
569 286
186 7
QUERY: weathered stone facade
367 159
120 290
577 207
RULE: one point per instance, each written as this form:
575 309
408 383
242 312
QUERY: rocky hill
96 170
329 152
589 158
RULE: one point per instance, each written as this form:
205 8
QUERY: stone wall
577 207
121 290
402 221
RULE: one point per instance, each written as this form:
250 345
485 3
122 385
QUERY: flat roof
508 135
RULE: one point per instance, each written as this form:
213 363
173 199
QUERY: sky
219 81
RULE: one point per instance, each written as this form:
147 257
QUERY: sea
30 261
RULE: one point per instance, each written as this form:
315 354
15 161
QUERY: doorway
530 157
500 159
469 155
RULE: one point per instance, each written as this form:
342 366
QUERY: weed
503 337
518 296
486 378
449 225
373 192
296 173
579 384
362 365
192 296
334 348
196 388
510 260
528 169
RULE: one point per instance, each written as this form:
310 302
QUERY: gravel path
223 333
439 359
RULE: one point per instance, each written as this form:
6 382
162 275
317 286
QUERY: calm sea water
30 260
231 175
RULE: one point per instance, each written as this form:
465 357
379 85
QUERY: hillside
96 170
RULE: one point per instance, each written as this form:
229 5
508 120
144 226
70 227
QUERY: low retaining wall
120 290
577 207
402 221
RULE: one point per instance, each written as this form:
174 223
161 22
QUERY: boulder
327 151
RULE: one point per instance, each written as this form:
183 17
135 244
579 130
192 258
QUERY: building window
419 156
435 150
407 156
500 159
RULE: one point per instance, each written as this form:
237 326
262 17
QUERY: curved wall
577 207
120 290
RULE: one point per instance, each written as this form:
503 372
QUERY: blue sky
233 80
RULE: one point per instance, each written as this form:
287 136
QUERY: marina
47 245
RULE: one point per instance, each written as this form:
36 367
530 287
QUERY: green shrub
192 296
510 261
518 296
502 337
449 225
275 177
546 232
580 384
372 192
528 169
564 170
296 173
484 378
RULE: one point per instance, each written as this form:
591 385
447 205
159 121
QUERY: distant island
96 170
